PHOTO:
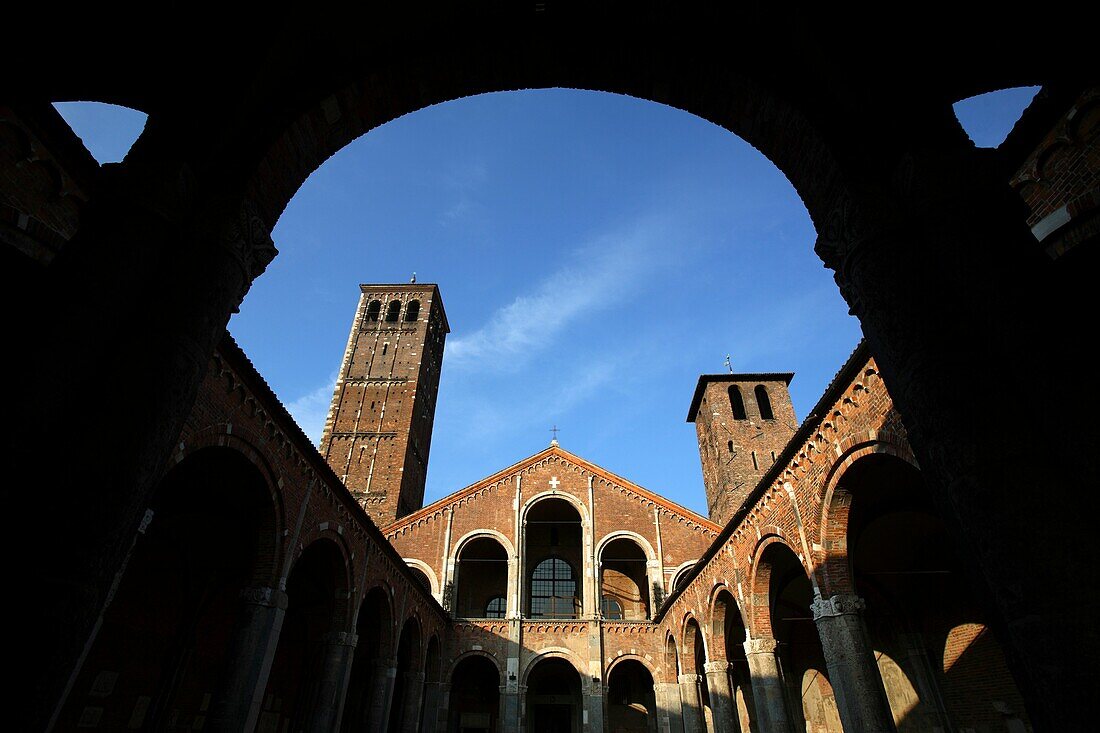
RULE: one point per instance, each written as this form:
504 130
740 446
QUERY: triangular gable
553 451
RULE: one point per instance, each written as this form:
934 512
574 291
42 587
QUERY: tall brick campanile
743 422
379 427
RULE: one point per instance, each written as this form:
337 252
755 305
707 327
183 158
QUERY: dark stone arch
316 614
374 646
631 700
475 693
209 538
409 680
553 695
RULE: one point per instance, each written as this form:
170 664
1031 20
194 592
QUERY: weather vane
728 365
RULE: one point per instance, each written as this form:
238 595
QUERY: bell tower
379 427
743 422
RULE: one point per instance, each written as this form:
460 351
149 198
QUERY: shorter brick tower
379 427
743 422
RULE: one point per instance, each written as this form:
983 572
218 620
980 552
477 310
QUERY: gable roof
563 454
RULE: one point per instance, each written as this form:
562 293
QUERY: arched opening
729 631
694 646
810 698
421 578
681 578
408 681
554 560
315 589
412 310
393 310
940 664
624 580
163 644
475 696
631 701
374 629
429 709
553 697
764 403
737 402
374 310
481 579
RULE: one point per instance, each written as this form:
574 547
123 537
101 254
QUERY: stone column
336 655
592 714
670 713
236 705
414 691
433 703
722 705
381 693
692 704
853 673
508 712
767 686
935 258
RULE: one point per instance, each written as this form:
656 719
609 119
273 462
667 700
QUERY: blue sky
595 254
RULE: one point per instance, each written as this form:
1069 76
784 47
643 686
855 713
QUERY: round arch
579 505
642 542
626 657
760 576
433 582
344 578
680 573
553 652
475 653
834 573
475 534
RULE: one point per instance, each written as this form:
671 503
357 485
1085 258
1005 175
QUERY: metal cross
554 430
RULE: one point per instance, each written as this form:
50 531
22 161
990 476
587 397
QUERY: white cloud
598 275
311 409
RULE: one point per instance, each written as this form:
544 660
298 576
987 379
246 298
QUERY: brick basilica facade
915 556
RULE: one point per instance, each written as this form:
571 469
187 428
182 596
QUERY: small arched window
764 403
393 311
496 607
374 310
729 444
737 402
412 310
611 609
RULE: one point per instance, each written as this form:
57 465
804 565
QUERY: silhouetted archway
363 703
631 702
475 696
408 682
162 649
729 631
553 697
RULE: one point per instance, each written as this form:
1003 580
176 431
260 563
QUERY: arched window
496 607
681 578
737 403
374 309
412 310
729 444
764 403
393 310
611 609
554 590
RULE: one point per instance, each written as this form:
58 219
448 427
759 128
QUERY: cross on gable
554 483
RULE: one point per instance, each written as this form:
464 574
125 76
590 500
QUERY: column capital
720 665
340 638
837 605
689 679
765 645
264 596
